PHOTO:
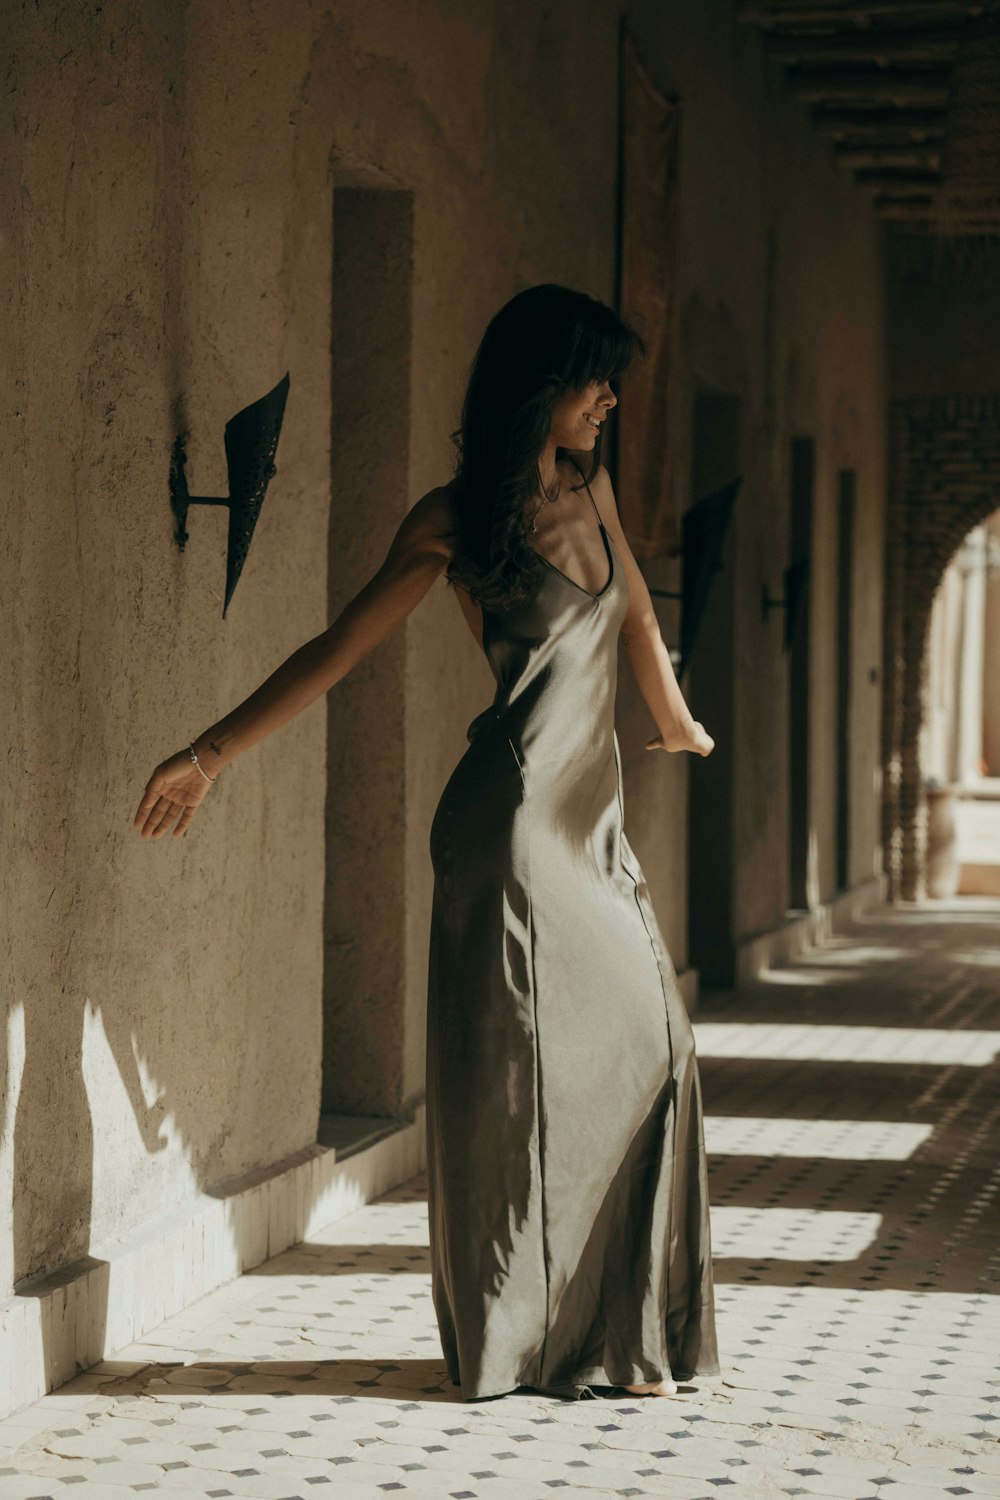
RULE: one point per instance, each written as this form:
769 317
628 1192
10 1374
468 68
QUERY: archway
945 479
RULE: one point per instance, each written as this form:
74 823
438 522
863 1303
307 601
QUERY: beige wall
780 291
161 999
167 257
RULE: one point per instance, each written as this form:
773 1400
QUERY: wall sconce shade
251 441
796 586
704 529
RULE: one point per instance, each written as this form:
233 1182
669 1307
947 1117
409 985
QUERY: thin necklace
546 498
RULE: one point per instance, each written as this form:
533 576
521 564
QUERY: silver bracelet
198 764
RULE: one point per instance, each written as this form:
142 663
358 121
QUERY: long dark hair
544 341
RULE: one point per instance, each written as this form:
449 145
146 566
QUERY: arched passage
945 479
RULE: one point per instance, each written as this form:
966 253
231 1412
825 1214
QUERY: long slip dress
567 1178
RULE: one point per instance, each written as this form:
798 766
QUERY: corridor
852 1104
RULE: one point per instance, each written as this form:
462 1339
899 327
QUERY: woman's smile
588 409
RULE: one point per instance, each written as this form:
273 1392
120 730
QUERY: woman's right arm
418 555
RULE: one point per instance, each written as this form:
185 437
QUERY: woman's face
577 415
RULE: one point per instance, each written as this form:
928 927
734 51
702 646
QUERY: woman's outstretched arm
418 555
647 652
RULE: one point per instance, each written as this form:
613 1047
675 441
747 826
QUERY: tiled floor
853 1104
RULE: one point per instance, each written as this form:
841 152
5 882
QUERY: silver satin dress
567 1179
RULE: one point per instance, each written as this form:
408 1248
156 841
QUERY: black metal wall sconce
251 440
704 529
796 583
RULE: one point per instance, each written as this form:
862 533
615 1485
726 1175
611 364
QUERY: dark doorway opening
802 479
845 608
364 939
711 946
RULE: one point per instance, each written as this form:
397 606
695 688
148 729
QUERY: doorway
364 938
845 598
711 946
800 521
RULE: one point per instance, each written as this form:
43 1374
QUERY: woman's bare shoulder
429 524
440 503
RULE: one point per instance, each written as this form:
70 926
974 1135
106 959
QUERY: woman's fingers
150 806
171 794
152 799
146 805
184 820
160 809
167 816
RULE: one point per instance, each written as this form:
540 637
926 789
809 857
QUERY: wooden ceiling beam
897 183
911 213
876 45
905 213
911 200
924 213
884 139
876 125
868 86
857 13
856 157
877 74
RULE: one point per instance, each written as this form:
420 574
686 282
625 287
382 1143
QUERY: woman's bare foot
655 1388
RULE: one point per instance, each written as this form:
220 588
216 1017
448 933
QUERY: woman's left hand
175 790
696 739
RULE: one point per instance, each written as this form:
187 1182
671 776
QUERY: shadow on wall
53 1163
59 1322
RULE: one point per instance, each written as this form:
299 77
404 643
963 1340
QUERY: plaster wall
161 1019
168 248
780 291
169 256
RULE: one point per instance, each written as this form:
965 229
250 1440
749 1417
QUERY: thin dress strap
592 500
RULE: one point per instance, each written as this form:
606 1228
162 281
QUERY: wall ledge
801 931
56 1325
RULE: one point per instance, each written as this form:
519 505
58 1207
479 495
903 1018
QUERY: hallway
852 1109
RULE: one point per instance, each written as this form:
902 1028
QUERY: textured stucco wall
780 290
168 252
161 999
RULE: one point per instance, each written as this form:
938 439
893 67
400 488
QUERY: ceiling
908 92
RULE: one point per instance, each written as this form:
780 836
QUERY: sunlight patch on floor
792 1233
853 1044
854 1140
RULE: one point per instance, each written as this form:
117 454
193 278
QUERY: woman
567 1182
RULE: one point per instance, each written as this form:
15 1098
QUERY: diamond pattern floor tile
853 1105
